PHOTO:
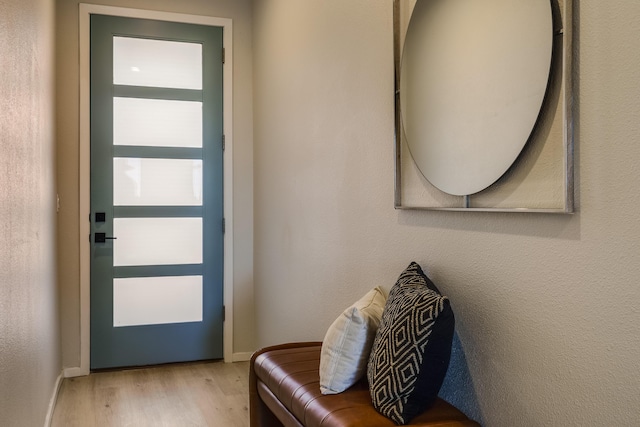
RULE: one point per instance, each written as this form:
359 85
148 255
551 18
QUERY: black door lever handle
102 238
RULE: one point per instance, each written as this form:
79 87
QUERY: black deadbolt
102 238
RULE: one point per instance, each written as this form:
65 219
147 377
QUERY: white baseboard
75 372
52 402
241 357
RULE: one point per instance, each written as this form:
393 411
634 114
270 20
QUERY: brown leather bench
284 391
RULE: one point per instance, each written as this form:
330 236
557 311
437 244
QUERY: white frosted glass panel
157 241
157 182
157 63
157 300
157 122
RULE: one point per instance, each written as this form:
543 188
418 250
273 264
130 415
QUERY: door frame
85 11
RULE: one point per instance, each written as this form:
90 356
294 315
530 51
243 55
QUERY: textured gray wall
29 339
546 305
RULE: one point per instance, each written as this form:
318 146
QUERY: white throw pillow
347 344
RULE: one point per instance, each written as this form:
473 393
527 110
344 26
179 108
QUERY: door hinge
223 142
224 313
224 225
223 54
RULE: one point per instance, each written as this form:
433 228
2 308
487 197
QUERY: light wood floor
192 394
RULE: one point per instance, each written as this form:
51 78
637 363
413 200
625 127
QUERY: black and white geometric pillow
412 347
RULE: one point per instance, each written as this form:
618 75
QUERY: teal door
156 192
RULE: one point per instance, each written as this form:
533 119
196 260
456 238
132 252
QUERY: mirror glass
473 77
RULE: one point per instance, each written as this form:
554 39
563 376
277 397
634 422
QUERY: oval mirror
472 81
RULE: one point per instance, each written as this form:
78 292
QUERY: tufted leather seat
284 390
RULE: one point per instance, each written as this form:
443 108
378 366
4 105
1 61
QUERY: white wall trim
84 34
73 372
53 400
242 357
